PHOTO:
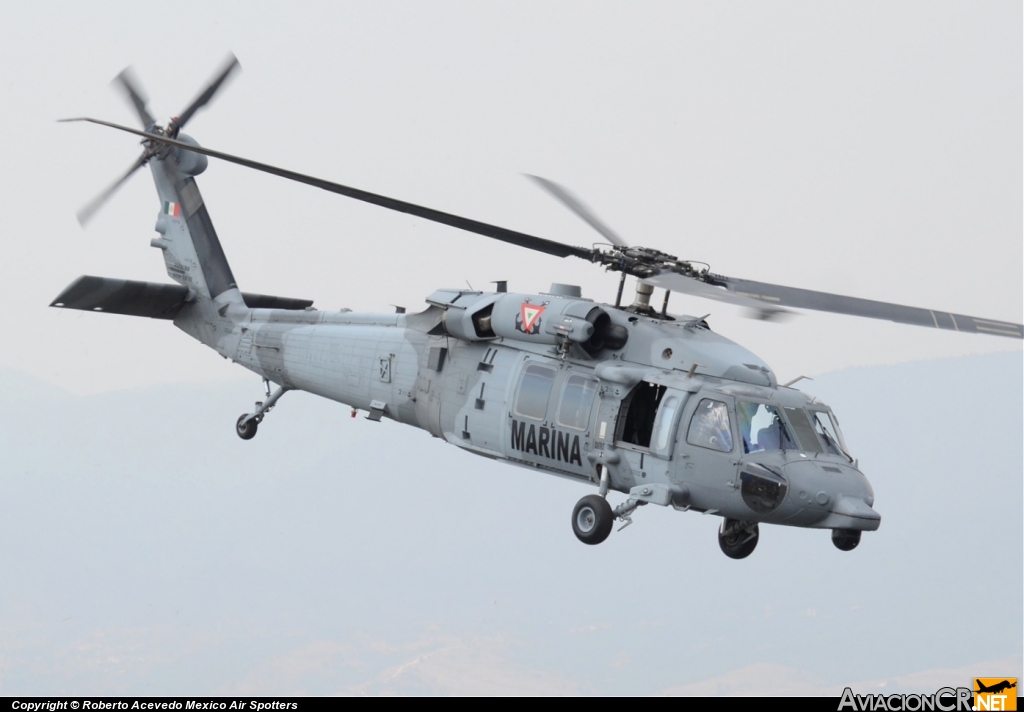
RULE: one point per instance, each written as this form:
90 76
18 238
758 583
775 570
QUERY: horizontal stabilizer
123 296
265 301
157 301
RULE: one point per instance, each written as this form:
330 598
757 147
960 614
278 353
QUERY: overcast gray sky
866 148
871 148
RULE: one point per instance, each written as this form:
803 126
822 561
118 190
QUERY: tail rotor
132 89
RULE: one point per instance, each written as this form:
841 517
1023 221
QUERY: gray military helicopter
629 398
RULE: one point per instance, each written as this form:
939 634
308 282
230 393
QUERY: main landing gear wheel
246 429
592 519
846 539
738 539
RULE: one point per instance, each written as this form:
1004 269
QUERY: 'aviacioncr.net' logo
995 693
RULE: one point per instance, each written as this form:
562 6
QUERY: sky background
147 550
871 149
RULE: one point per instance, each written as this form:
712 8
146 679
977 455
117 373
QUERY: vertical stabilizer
192 251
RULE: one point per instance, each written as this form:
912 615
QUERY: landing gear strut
247 423
737 539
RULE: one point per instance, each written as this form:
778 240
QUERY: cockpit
760 426
730 420
749 452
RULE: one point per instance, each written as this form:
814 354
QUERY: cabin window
710 426
641 407
534 391
577 402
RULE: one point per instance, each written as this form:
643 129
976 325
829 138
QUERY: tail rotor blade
90 209
230 65
130 85
574 204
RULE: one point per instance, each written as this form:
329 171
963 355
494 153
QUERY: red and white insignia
529 321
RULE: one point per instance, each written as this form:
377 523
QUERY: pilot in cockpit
764 420
770 437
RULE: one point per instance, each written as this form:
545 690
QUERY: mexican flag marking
531 313
172 209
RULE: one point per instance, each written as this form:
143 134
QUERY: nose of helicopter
840 493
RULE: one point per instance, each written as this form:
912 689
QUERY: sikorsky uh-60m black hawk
633 399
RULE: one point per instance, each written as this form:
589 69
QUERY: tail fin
192 251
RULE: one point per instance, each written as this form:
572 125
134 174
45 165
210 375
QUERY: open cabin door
647 428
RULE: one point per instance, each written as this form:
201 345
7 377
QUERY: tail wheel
246 429
592 519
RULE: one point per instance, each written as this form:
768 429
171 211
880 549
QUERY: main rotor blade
771 300
230 64
89 209
574 204
129 84
540 244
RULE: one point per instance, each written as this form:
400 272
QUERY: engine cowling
541 319
548 319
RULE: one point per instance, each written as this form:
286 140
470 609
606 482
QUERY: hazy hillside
146 549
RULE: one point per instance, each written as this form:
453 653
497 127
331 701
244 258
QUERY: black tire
846 539
592 519
247 430
738 544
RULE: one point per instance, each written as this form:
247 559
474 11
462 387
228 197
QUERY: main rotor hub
644 262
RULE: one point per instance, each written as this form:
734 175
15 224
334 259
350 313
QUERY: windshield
803 429
827 427
766 427
761 428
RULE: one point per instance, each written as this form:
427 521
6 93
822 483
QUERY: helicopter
622 397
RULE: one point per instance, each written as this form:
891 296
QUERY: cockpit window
803 430
828 430
710 426
761 428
